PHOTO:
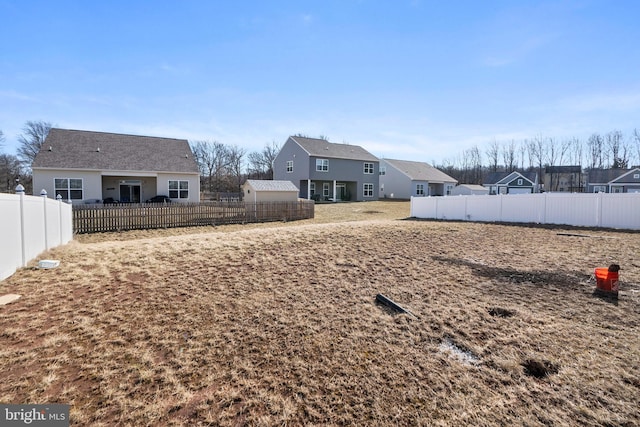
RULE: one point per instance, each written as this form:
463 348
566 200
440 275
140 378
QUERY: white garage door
633 190
519 191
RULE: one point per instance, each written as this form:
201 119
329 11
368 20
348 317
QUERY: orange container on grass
606 280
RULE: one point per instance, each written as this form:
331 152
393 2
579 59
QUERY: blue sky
415 80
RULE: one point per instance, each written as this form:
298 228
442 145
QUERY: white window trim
312 188
68 188
180 190
368 168
383 170
322 165
520 181
419 189
289 166
326 189
365 191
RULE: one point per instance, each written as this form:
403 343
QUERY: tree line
612 150
223 168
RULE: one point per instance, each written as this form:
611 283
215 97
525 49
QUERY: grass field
276 324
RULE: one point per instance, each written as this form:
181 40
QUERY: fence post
20 191
59 199
43 194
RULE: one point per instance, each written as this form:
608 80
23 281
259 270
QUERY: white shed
256 190
469 190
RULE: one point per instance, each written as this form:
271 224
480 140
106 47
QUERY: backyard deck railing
101 218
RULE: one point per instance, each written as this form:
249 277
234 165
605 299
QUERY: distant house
469 190
614 181
89 167
326 171
511 182
402 179
564 178
256 190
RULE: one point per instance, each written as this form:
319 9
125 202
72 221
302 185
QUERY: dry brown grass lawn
276 324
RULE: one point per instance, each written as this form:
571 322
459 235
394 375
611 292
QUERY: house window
367 190
322 165
368 168
420 189
636 176
383 170
599 188
289 166
312 188
69 188
325 189
178 189
520 181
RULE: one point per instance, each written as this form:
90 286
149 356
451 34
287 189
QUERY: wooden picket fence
100 218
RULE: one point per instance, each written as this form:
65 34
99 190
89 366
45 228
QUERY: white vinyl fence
30 225
611 210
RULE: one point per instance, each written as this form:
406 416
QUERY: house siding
43 179
396 184
291 151
347 171
97 186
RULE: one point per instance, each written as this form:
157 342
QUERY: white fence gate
611 210
30 225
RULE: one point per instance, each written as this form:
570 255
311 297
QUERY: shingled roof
323 148
79 149
271 185
420 171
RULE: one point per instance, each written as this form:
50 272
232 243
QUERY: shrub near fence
100 218
611 210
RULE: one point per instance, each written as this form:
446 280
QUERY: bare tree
522 149
575 151
213 159
538 152
595 145
2 139
31 140
236 163
10 171
473 160
492 155
636 141
261 162
509 156
618 150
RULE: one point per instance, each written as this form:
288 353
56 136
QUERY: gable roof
494 178
79 149
605 176
627 178
271 185
420 171
322 148
473 187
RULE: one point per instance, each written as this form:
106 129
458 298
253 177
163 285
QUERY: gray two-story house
326 171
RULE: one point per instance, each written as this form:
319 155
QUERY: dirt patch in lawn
277 324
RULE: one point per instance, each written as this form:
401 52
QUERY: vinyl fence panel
609 210
30 225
